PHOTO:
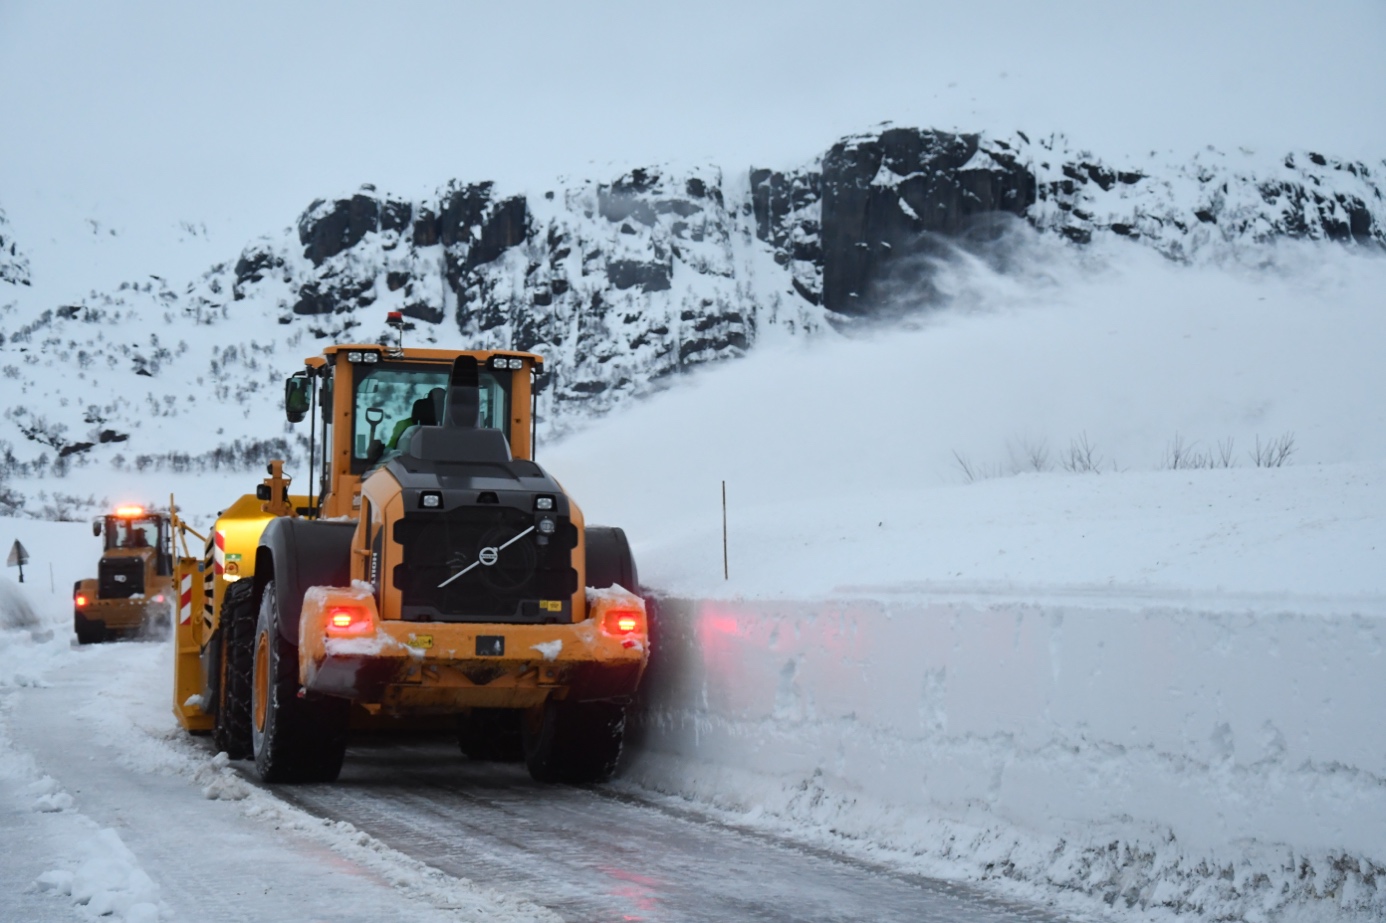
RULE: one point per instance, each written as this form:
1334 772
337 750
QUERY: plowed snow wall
1221 735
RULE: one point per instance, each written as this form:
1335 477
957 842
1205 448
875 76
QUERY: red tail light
623 621
348 620
80 600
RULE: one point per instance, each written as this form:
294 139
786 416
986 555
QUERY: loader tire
574 742
231 732
294 739
491 735
89 631
609 561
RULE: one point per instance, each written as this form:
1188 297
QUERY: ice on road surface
125 818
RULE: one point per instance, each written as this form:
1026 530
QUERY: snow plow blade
188 680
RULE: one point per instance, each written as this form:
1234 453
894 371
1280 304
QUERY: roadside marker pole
726 574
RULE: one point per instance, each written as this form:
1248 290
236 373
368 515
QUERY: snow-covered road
143 823
119 813
610 853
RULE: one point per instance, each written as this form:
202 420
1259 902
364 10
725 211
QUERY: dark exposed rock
74 448
506 226
326 230
897 187
625 198
252 267
14 264
310 301
681 207
335 295
427 231
462 209
651 277
395 215
1104 178
110 435
423 312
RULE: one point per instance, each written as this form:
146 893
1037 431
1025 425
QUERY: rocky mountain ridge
621 283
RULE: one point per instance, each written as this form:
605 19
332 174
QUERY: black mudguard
609 561
297 554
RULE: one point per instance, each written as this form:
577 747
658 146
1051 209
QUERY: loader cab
136 548
368 396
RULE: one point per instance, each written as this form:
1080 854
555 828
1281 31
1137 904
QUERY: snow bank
93 868
1217 760
35 619
108 883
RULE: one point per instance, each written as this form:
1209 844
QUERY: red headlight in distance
623 621
80 600
347 620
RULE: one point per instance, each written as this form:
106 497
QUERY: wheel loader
438 573
132 590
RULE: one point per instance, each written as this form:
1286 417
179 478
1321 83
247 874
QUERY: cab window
131 533
389 398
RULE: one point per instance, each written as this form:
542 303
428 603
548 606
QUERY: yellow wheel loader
440 571
132 590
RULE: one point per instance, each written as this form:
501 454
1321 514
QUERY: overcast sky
238 114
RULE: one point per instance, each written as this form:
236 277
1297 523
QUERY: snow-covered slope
980 621
624 284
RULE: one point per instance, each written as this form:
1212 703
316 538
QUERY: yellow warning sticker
422 642
551 605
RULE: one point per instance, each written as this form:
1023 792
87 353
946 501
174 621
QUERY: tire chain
232 730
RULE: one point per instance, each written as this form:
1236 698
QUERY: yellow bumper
398 667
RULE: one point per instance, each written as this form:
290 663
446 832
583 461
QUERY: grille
506 584
119 578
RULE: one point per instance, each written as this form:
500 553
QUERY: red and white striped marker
185 600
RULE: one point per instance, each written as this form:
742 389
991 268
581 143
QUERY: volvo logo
488 557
